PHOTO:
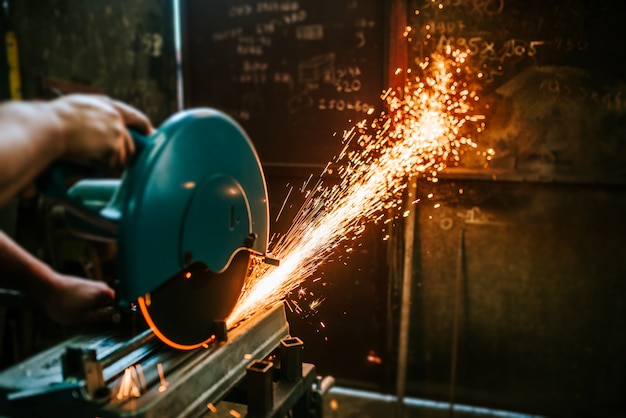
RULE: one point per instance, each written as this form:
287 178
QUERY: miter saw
189 215
190 220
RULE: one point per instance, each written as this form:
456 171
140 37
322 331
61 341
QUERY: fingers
129 143
76 301
105 297
124 150
103 316
133 117
100 309
94 128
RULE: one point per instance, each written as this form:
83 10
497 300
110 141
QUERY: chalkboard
120 48
504 37
294 74
551 80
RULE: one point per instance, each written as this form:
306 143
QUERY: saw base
142 377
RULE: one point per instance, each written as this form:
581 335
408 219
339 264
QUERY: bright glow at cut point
422 131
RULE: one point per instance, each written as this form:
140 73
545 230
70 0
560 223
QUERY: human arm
66 299
85 129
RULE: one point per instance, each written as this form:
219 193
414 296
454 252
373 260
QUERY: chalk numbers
152 44
346 81
341 105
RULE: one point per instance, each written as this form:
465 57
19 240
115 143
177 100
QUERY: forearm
21 271
31 138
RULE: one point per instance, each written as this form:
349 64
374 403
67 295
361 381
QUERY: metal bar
209 378
291 358
173 383
294 397
405 306
455 325
127 348
260 389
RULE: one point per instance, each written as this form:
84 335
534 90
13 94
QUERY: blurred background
503 290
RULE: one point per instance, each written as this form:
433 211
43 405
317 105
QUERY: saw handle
53 181
101 224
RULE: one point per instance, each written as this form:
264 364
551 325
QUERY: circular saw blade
182 311
196 190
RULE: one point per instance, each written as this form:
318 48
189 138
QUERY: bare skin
66 299
84 129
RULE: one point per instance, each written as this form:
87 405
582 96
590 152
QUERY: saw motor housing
194 195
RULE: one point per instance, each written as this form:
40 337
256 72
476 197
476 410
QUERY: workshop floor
346 403
341 402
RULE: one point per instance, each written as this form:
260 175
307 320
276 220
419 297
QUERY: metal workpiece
270 390
279 385
82 366
291 358
149 380
266 393
260 397
295 397
128 347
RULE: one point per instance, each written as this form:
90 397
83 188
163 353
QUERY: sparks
315 304
420 132
164 383
132 383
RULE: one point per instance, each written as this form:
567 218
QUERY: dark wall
540 304
549 77
529 277
519 270
294 74
523 269
124 49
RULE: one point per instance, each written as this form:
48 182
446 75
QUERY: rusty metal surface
540 310
554 124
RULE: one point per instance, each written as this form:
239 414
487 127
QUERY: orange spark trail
420 133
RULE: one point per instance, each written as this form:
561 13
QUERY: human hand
76 301
94 128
